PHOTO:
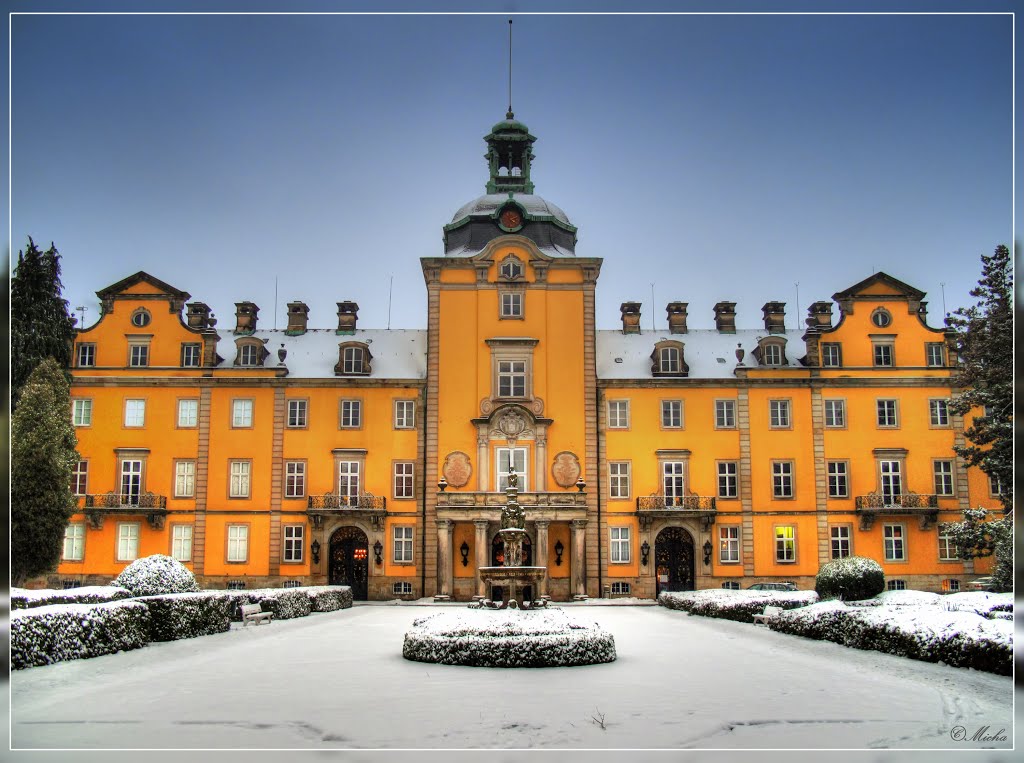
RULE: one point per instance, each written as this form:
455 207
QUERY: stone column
482 557
541 462
444 558
541 554
579 558
481 462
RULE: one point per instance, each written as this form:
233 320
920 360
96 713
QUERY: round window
881 318
140 318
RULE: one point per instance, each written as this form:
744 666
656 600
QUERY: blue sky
717 157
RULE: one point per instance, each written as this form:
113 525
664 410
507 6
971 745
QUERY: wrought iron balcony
924 505
365 506
153 506
703 507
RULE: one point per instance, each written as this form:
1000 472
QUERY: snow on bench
769 613
253 613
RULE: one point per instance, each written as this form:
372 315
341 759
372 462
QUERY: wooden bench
253 613
769 613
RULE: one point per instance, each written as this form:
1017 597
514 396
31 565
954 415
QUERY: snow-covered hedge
24 598
733 605
59 632
929 633
187 615
852 577
155 575
327 598
285 603
507 639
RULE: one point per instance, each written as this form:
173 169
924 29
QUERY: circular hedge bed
507 639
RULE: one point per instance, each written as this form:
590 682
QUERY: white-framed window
294 479
669 360
402 588
348 483
404 479
838 475
402 536
620 588
671 414
771 355
943 474
138 355
896 585
782 479
80 478
618 479
835 413
240 482
891 478
292 584
298 414
948 551
131 481
511 304
935 354
729 543
74 542
405 414
731 585
127 541
188 413
241 414
950 585
839 536
134 413
184 479
895 548
140 318
938 413
511 269
883 354
238 543
831 354
353 361
995 485
511 378
619 544
887 413
881 317
191 354
294 535
81 412
618 414
181 542
351 414
514 458
249 355
728 479
778 414
86 355
785 543
725 414
673 481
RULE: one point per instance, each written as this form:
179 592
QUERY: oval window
881 318
140 318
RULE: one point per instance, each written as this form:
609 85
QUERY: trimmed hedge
156 575
23 598
187 615
287 603
849 578
733 605
328 598
55 633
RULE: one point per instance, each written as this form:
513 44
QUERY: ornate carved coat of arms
457 469
566 469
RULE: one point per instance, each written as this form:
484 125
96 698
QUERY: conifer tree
42 456
41 326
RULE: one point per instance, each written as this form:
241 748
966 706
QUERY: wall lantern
580 484
707 552
464 550
645 552
559 548
315 549
442 484
377 549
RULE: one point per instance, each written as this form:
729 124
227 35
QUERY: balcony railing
923 505
702 507
459 499
154 507
335 501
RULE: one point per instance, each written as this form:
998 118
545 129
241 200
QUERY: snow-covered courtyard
338 680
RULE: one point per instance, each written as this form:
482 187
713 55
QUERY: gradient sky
718 157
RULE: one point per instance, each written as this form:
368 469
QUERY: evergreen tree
974 537
42 457
41 326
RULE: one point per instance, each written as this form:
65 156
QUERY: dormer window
251 353
667 359
771 351
141 318
511 269
881 317
353 360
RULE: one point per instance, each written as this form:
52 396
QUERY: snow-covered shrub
905 598
850 578
507 639
24 598
285 603
733 605
327 598
59 632
187 615
155 575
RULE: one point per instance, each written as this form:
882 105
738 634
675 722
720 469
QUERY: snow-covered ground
338 680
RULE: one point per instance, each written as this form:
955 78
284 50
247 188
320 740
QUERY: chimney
819 315
347 314
630 317
198 315
774 317
298 315
676 317
245 317
725 317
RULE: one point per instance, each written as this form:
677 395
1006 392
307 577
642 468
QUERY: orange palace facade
647 460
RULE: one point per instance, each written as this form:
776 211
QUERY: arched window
667 359
353 359
250 352
771 351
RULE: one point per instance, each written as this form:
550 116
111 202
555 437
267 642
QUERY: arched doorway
673 560
349 557
498 558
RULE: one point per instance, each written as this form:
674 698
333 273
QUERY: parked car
982 584
772 587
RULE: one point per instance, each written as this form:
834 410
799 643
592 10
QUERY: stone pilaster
820 473
746 483
541 554
445 528
276 481
483 545
578 543
202 483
